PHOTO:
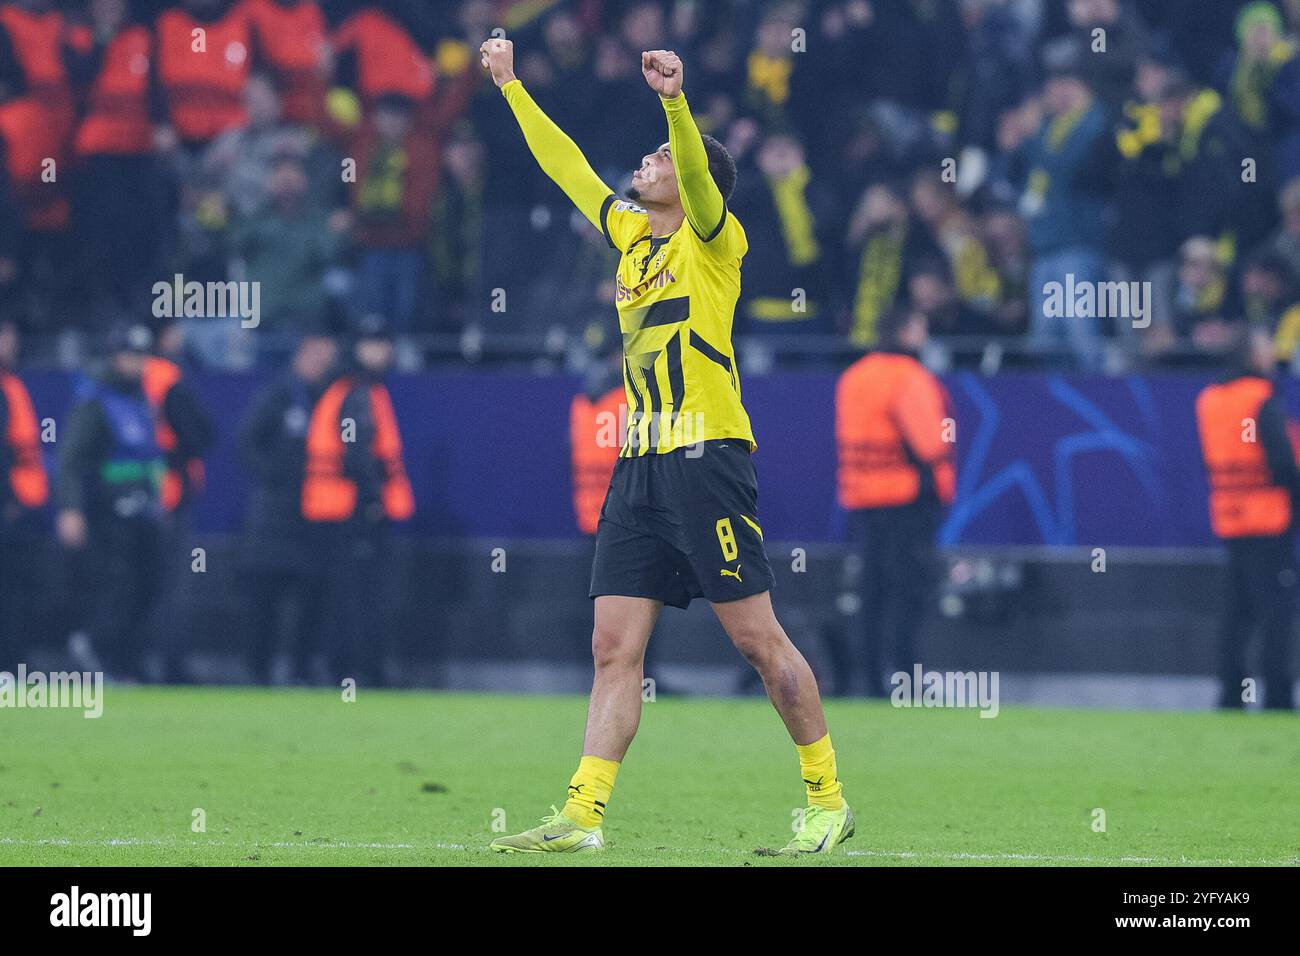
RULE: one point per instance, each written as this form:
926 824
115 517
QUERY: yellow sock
817 767
589 790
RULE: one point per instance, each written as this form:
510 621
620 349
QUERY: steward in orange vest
354 449
23 481
183 431
896 441
894 445
36 110
37 34
203 75
291 39
118 213
23 126
1254 481
24 488
594 442
36 120
354 487
282 563
1248 457
116 72
384 58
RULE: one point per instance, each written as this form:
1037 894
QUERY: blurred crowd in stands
948 157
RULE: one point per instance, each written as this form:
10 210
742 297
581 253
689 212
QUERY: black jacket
272 444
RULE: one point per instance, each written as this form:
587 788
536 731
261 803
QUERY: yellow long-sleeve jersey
675 295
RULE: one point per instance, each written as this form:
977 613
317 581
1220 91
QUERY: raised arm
702 201
554 151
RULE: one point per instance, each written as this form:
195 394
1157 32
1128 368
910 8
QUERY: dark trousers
126 558
1261 586
897 549
25 582
117 211
388 282
356 568
11 624
269 591
169 617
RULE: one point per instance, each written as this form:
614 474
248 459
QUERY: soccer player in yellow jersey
680 519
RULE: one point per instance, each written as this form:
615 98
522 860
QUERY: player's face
655 181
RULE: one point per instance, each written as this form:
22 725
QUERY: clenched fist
499 57
662 69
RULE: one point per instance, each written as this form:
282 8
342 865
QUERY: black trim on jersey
676 381
656 243
634 419
716 229
667 311
604 218
636 392
652 388
709 351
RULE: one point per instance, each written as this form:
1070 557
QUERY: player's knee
759 644
614 647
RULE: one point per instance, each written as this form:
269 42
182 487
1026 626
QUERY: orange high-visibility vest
37 40
205 91
388 59
159 377
594 443
25 129
292 40
27 475
328 494
37 126
117 118
890 413
1244 501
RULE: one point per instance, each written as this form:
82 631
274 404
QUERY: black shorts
682 525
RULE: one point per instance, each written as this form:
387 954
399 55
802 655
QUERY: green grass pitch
395 778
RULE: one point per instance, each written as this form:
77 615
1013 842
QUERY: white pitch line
197 844
1034 858
332 846
879 854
